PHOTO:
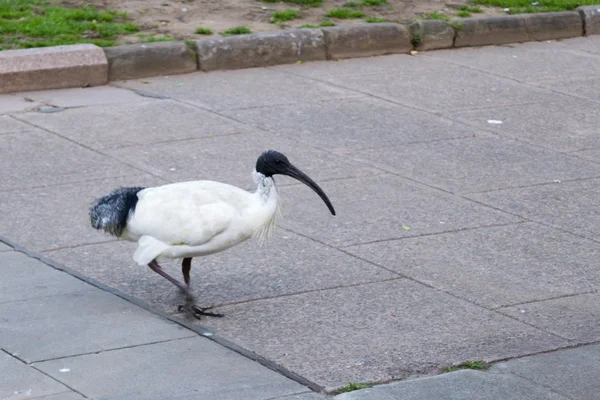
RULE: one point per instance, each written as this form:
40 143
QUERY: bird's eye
277 161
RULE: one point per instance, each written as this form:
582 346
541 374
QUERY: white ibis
188 219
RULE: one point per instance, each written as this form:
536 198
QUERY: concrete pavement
466 185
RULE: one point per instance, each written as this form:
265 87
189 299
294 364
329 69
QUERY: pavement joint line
395 239
89 353
287 104
539 222
95 151
78 245
286 396
563 296
43 373
125 146
19 189
257 299
553 182
195 327
39 297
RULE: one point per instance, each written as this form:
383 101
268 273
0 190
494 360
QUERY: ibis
197 218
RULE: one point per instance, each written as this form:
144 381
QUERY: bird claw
198 312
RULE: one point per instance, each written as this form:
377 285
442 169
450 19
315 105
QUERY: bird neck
265 186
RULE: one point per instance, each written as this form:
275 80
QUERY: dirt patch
179 19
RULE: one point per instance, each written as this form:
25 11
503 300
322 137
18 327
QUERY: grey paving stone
459 385
95 321
20 381
77 97
575 317
10 103
527 62
289 264
377 208
24 278
206 159
61 161
37 219
572 372
248 88
563 125
5 247
431 84
570 206
494 266
375 332
478 164
203 369
62 396
585 88
305 396
589 43
352 124
131 124
11 125
590 154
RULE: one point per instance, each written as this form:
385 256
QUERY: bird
189 219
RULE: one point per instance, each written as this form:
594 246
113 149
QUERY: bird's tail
111 212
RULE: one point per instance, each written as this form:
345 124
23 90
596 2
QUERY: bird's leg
190 302
186 265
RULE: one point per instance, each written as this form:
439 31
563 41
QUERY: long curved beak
302 177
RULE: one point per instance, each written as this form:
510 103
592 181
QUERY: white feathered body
198 218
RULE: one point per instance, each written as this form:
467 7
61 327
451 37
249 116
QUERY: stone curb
89 65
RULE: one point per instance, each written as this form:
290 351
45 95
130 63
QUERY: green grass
470 9
352 386
203 31
344 13
308 3
436 15
40 23
478 365
374 3
238 30
285 15
463 14
152 39
523 6
374 20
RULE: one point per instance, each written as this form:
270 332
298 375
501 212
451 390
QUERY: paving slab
586 88
456 87
25 278
19 381
204 370
494 266
289 264
381 208
133 124
62 161
10 103
590 154
352 124
478 164
375 332
569 206
562 126
205 159
37 218
4 247
526 62
81 97
96 321
11 125
248 88
573 317
572 372
61 396
589 43
459 385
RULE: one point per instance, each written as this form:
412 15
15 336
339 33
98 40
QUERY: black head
272 162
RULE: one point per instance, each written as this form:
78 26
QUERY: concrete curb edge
84 65
199 329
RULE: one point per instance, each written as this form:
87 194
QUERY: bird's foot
195 311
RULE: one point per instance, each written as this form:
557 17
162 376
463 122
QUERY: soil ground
179 19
